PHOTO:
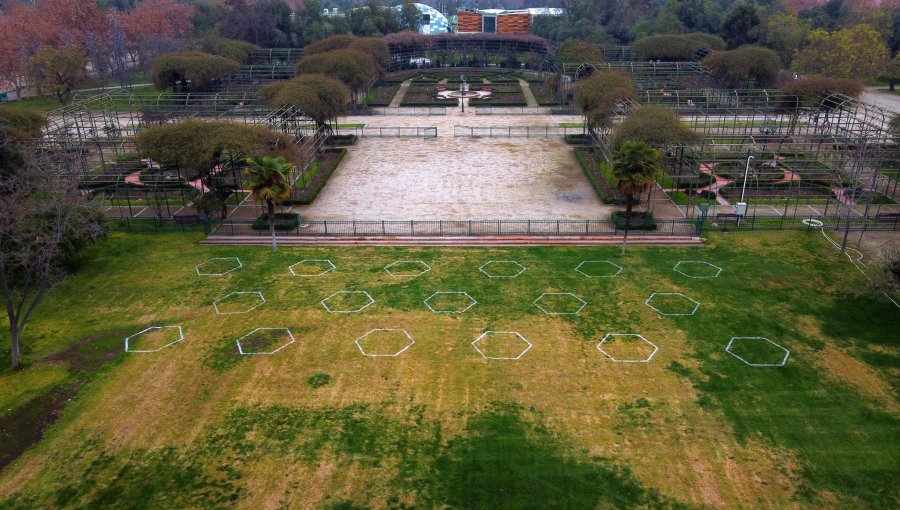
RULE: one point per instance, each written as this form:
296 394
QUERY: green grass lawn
320 425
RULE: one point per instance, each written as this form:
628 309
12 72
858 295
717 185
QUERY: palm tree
268 180
635 165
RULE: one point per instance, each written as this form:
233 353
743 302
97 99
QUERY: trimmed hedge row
640 220
309 194
604 191
283 221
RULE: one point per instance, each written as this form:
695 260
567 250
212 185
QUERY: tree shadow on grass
507 462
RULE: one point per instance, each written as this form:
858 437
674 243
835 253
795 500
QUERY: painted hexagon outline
583 303
329 262
787 353
677 270
583 262
489 275
145 330
610 356
410 275
235 268
485 356
329 310
401 351
241 350
696 303
472 301
262 301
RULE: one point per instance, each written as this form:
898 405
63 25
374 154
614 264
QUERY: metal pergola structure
96 135
473 50
830 157
647 75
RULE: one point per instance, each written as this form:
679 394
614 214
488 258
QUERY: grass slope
319 425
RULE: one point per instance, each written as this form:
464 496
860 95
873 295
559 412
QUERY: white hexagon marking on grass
294 272
425 268
610 336
582 302
485 268
242 352
486 333
683 268
392 330
584 271
344 292
261 301
783 361
236 265
147 330
649 299
472 301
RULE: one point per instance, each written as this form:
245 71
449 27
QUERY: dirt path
401 93
529 95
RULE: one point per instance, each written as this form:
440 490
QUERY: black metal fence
483 228
516 131
464 228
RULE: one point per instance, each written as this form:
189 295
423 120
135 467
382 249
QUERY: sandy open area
458 178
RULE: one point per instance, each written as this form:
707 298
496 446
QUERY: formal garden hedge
283 221
323 168
640 220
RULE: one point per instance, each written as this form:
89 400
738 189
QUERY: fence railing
515 131
525 110
400 110
426 132
463 228
481 228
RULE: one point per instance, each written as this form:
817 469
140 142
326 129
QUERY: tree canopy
59 71
600 93
191 70
576 51
814 88
335 42
320 97
197 146
232 49
352 67
656 126
858 53
676 46
744 67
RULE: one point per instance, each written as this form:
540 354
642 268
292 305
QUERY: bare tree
44 220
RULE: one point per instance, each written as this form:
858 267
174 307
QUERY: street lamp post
462 92
741 208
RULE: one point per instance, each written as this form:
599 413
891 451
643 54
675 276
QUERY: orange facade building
493 21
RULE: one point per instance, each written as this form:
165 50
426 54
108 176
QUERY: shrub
283 221
639 220
676 46
747 66
318 380
22 123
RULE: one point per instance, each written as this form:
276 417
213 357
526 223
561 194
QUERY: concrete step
457 241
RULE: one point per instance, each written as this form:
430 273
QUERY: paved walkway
882 98
529 95
401 93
